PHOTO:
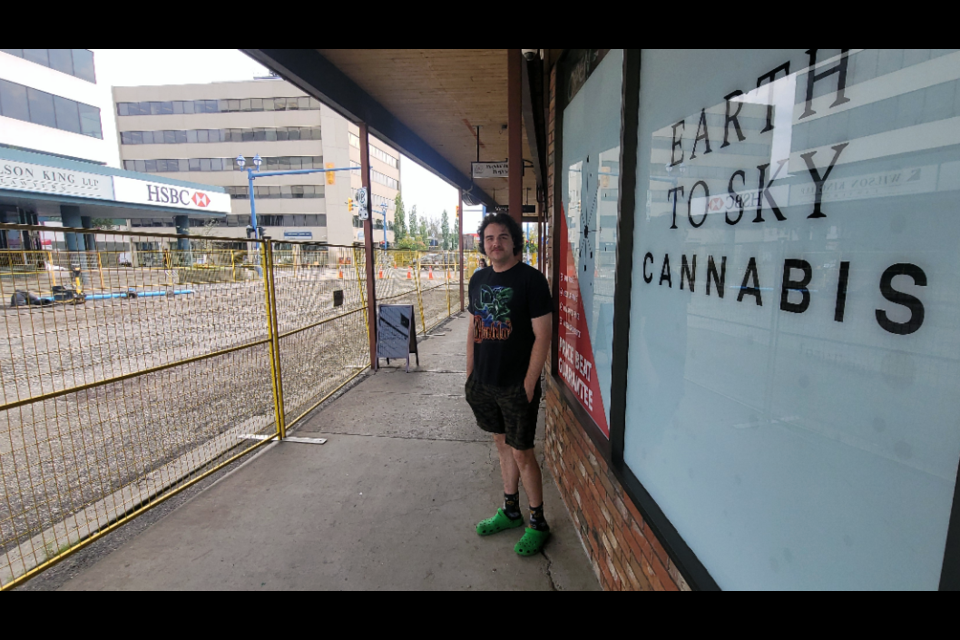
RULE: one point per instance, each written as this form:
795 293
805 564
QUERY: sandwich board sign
397 333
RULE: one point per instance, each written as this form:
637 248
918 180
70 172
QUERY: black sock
537 521
511 505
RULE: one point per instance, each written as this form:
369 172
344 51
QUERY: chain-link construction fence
131 373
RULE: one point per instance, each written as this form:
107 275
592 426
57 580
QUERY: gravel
59 455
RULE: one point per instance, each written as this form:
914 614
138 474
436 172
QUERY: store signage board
298 235
576 363
168 195
794 347
490 169
23 176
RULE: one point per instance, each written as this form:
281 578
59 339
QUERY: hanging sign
364 213
490 169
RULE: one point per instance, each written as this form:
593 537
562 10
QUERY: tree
414 225
399 220
433 229
411 244
445 230
423 229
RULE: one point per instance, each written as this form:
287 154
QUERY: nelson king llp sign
763 203
21 176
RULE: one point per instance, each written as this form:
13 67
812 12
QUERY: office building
197 131
51 102
59 160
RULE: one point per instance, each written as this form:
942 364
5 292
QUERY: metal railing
129 375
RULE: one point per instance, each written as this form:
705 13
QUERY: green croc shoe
532 542
497 523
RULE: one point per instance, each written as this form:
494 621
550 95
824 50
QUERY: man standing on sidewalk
507 345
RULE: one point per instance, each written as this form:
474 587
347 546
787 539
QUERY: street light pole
253 173
383 210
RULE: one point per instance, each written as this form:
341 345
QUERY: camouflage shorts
505 410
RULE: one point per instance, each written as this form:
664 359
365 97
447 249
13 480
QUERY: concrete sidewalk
389 502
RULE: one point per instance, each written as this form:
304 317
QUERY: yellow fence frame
267 262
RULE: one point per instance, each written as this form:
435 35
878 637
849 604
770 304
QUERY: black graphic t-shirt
503 305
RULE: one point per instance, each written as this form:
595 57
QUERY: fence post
274 342
423 320
233 265
100 269
446 279
51 270
363 297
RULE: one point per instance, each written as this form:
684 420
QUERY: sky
133 67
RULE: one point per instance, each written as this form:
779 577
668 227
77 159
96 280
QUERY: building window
68 114
384 179
13 101
222 164
210 106
74 62
383 156
39 107
379 201
268 192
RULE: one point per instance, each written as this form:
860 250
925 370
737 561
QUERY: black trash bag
23 299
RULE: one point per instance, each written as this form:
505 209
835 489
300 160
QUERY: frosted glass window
794 352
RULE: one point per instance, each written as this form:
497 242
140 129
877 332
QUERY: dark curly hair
516 233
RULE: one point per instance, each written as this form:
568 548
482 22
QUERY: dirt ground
59 455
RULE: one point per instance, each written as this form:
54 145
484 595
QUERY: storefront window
794 353
588 228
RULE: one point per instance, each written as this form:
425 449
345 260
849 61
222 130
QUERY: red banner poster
575 351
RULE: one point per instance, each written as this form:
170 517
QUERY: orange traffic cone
409 273
340 272
380 274
430 275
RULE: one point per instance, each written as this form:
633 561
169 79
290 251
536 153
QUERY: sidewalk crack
553 584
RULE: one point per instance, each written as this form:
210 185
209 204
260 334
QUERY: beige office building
200 130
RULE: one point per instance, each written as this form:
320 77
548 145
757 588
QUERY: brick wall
624 552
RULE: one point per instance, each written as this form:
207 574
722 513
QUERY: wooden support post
368 245
515 133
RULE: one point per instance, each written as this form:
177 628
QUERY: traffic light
350 204
331 176
458 212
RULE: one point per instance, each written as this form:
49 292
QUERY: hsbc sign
167 195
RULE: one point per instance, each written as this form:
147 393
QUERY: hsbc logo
176 196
